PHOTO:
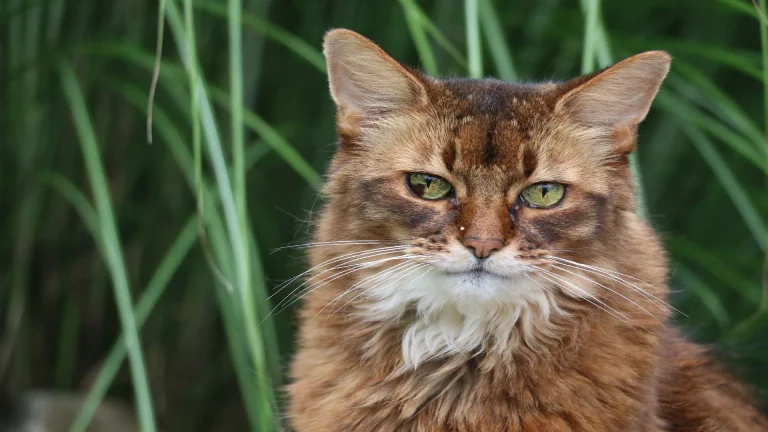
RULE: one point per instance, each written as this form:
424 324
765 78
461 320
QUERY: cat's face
478 182
483 182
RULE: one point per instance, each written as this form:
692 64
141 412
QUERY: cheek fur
387 199
581 218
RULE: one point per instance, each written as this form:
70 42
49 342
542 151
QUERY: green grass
110 244
474 49
154 290
242 130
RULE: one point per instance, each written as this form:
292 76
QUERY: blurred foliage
67 277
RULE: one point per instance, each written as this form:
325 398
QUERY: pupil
544 190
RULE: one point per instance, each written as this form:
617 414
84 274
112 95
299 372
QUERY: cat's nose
483 247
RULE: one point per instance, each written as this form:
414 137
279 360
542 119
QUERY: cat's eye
429 187
543 195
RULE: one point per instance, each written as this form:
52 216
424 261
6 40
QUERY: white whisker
331 278
604 307
354 256
409 270
616 276
372 278
334 243
348 268
609 289
659 303
291 298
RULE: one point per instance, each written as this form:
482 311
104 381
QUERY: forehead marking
529 160
489 155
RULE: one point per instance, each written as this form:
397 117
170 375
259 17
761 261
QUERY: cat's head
479 181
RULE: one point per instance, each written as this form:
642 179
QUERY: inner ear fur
619 95
365 81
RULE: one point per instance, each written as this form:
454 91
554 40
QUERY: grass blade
592 14
424 24
740 6
151 295
601 47
217 239
718 268
262 416
705 293
236 131
156 70
273 139
255 123
474 49
720 103
299 47
494 35
740 60
764 52
677 107
419 36
726 177
194 117
77 200
241 247
111 243
762 14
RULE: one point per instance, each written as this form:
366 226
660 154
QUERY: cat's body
479 310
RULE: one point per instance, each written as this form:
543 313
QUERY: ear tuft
619 95
366 80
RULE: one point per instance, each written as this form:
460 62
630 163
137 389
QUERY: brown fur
616 367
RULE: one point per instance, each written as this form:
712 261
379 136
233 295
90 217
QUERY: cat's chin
462 312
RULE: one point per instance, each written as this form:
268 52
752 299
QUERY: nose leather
482 247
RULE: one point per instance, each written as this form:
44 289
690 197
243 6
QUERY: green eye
428 186
543 195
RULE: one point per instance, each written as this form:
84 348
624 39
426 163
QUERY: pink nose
482 247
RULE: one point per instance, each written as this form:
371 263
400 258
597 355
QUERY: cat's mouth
477 272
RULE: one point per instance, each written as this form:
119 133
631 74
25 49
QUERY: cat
479 264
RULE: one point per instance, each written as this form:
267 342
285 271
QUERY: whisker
357 255
609 289
409 271
613 275
402 272
595 267
381 274
659 303
332 278
602 306
335 243
587 296
372 278
288 299
348 268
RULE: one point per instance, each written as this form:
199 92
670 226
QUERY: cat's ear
620 95
364 80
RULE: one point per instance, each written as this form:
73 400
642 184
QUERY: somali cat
479 264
